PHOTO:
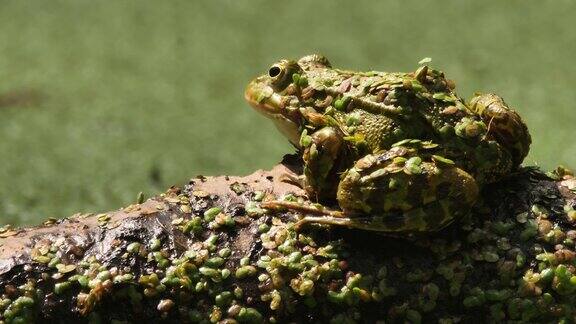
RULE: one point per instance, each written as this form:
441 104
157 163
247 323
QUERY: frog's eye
281 73
277 73
274 71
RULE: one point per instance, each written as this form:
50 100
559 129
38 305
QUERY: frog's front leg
321 156
323 152
397 191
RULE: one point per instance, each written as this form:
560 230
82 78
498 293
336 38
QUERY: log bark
208 253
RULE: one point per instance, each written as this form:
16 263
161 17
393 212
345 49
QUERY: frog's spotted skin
409 192
400 152
505 124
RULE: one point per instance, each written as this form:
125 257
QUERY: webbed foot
327 220
325 215
316 209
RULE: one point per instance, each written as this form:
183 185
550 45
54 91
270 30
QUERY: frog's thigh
395 198
319 159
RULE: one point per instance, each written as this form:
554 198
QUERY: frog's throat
287 127
263 99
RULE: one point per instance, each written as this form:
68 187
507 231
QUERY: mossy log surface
207 253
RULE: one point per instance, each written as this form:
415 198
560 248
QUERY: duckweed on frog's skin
399 152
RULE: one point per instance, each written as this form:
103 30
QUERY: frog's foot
304 209
372 223
296 180
327 220
325 215
504 125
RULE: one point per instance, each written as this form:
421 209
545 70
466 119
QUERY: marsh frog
398 152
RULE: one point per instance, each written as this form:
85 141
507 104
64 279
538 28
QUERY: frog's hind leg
412 221
313 214
325 216
368 223
327 220
397 191
304 209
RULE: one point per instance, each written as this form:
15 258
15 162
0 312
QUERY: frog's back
378 132
377 109
385 108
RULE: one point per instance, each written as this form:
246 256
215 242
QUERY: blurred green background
102 99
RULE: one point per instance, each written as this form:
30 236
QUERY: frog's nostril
274 71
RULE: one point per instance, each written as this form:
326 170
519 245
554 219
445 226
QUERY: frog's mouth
266 101
262 97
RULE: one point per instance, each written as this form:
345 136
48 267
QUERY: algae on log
209 253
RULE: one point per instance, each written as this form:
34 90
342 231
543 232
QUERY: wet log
207 252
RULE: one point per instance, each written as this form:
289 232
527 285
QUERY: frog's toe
314 209
325 220
297 180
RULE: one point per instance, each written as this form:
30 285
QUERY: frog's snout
262 97
250 95
255 95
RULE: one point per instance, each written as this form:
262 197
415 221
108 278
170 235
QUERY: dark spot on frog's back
416 194
443 190
394 220
435 215
25 97
381 95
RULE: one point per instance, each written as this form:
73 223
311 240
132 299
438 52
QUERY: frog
397 153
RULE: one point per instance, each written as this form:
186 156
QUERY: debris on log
208 252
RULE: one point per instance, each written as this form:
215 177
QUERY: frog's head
276 93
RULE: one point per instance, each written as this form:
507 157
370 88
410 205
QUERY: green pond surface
100 100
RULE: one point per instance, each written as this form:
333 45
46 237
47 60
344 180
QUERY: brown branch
208 252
